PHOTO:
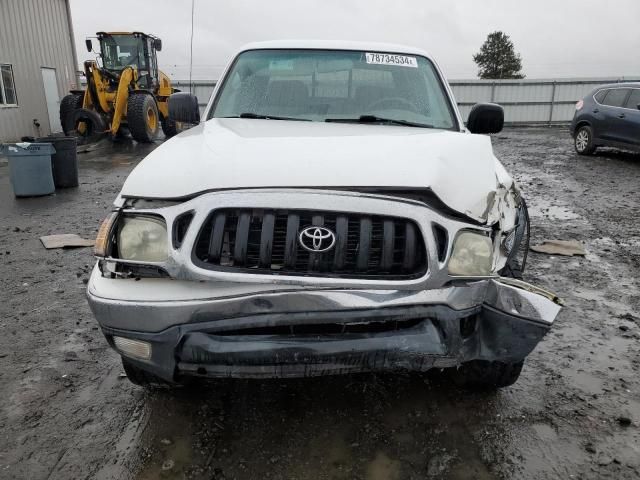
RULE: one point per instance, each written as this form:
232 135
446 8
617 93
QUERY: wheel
583 141
69 104
485 375
88 126
139 377
142 117
169 127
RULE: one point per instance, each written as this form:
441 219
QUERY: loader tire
69 104
485 375
169 127
88 126
143 119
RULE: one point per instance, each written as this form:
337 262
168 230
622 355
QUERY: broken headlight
142 238
509 241
471 255
104 235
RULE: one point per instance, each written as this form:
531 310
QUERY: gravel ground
67 412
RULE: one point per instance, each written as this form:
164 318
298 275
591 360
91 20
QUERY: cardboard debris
567 248
66 240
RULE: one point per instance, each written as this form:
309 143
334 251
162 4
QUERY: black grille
266 241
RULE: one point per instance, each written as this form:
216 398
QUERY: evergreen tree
497 58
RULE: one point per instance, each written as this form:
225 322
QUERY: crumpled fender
501 210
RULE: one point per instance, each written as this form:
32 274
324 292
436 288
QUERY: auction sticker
391 59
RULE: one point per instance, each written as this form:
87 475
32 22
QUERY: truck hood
459 168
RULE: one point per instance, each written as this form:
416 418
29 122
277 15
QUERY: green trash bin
30 168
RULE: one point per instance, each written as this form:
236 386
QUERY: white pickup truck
330 213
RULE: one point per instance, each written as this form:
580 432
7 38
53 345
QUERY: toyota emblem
317 239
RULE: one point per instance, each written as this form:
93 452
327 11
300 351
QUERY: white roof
335 45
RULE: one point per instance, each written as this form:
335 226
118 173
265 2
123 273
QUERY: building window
7 87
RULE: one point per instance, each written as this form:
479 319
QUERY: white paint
52 98
459 167
246 153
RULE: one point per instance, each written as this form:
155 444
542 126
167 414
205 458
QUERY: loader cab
121 50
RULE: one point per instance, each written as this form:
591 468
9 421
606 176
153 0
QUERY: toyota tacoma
330 213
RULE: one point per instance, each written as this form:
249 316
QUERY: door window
616 97
634 99
600 95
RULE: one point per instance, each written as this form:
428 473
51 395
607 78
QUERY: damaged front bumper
283 331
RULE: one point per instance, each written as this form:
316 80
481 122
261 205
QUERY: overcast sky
556 38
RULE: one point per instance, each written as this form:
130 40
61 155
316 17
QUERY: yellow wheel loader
126 92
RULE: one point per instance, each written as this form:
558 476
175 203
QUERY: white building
37 66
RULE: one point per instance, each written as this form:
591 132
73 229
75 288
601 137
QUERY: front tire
169 127
485 375
143 118
583 141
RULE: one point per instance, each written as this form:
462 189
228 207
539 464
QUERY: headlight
143 239
104 235
472 255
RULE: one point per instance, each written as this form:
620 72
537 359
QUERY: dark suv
608 117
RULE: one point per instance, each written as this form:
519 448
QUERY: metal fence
529 101
525 102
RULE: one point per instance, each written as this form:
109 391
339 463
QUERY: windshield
334 85
119 51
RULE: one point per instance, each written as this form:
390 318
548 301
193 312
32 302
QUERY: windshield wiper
377 119
267 117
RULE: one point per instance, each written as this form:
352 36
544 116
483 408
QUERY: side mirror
638 106
89 45
486 118
183 107
157 43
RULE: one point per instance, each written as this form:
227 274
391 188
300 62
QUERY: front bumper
259 330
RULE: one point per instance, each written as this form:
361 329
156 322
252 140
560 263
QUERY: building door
52 98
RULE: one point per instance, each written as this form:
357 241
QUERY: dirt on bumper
309 333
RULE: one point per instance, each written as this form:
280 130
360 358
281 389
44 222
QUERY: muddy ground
67 412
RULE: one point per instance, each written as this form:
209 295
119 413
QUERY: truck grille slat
365 244
291 242
267 241
342 232
242 238
388 243
217 237
409 247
